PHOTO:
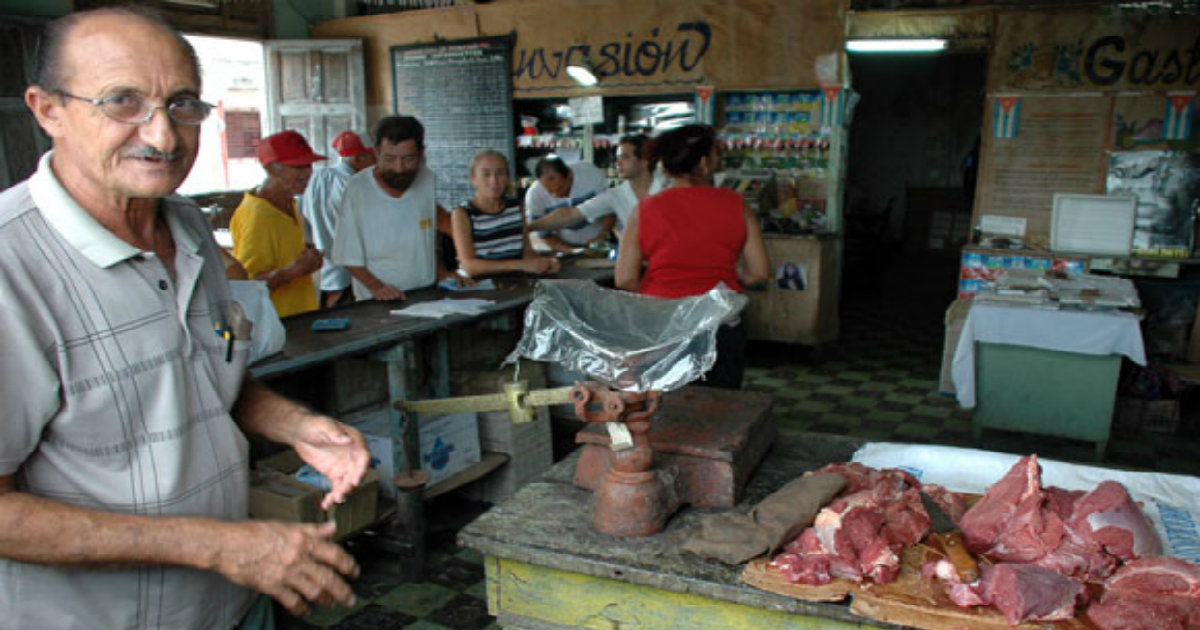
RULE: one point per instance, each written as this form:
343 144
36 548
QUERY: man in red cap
320 206
268 233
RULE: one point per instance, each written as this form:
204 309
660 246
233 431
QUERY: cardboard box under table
278 496
1047 372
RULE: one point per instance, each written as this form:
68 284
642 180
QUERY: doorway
912 137
233 77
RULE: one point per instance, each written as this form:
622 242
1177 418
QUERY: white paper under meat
1169 500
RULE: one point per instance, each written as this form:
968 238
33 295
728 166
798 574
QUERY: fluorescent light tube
582 74
895 45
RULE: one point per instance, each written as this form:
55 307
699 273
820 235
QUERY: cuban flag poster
1005 116
704 104
1177 121
832 102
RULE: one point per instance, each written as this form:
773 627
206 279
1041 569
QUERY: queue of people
128 417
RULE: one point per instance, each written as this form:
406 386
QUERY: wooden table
547 569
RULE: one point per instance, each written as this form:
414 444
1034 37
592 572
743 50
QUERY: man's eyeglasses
132 109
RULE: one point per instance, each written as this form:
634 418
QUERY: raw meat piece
1109 516
964 594
1134 612
1160 593
951 502
1081 557
984 522
1024 592
1075 533
1151 576
862 533
905 520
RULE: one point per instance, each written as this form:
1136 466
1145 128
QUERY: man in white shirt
636 166
387 235
560 186
321 206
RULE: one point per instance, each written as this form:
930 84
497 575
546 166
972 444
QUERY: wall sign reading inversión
461 90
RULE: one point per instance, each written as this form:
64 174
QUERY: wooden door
315 87
21 140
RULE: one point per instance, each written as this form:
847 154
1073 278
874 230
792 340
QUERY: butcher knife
947 536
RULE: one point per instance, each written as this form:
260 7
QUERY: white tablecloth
1084 332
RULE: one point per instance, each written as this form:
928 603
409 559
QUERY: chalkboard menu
461 90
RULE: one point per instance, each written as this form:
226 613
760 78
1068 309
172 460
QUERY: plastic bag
268 334
627 341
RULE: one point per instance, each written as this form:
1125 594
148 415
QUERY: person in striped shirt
489 228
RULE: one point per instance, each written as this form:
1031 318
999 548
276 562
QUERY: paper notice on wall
1060 149
1002 226
586 110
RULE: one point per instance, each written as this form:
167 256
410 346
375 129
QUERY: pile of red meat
1048 544
863 532
1041 547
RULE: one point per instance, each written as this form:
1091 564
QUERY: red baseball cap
288 148
350 144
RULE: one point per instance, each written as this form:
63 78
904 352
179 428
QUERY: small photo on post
791 276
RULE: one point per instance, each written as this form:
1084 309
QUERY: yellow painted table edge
575 600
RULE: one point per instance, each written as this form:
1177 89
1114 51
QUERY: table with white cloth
1044 371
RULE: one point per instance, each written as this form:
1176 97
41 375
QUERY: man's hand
386 293
294 563
308 261
335 450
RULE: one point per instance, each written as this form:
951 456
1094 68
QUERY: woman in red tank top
692 236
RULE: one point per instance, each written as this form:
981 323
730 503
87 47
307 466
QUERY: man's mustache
150 153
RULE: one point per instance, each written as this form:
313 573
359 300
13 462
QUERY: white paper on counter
441 308
1169 500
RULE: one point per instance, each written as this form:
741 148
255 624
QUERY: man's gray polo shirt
117 394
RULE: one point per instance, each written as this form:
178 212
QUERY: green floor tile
837 390
425 624
325 617
792 393
890 417
477 590
469 555
842 419
877 387
793 424
932 410
811 378
815 406
908 399
912 429
873 435
859 403
854 376
770 382
418 599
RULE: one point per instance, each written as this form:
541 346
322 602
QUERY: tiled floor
878 382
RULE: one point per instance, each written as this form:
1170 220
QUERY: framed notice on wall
461 91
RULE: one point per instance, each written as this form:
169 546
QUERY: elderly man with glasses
123 464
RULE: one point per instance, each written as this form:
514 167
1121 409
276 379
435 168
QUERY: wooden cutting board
909 600
760 574
912 600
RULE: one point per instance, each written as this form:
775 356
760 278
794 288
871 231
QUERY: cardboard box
530 450
449 444
278 496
